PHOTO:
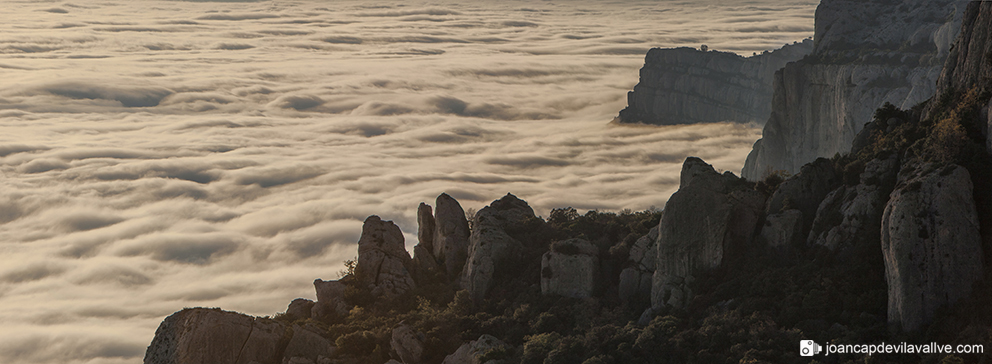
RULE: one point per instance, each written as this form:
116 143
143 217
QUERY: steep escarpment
865 54
687 86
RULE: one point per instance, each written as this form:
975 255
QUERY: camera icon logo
809 348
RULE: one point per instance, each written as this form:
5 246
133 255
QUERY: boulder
634 284
805 190
469 353
783 229
299 309
330 299
201 335
492 250
383 262
407 343
709 217
930 242
308 344
451 235
570 269
849 217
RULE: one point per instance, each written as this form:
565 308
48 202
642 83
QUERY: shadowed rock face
469 353
451 235
821 102
492 250
687 86
570 269
212 336
382 259
851 215
709 217
930 241
635 281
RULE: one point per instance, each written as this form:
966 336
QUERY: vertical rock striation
687 86
866 53
383 261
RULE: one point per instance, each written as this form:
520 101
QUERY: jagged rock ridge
688 86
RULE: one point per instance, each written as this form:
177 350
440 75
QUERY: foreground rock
805 190
821 102
451 235
407 343
201 335
687 86
710 217
383 262
469 353
570 269
931 243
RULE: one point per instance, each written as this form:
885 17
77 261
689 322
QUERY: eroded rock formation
383 262
711 216
492 248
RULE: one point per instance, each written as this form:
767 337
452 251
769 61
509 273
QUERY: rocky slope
865 53
687 86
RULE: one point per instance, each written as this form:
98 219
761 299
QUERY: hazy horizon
165 154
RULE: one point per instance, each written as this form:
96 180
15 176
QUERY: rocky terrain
890 241
865 54
688 86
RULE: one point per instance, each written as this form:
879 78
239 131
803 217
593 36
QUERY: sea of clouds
157 155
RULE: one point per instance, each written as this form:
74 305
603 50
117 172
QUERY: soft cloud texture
166 154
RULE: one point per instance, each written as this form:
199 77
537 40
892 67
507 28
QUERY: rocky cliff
687 86
865 54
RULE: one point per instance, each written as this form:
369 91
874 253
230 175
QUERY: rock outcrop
686 86
423 252
930 241
383 262
201 335
710 217
851 215
821 102
570 269
451 235
299 309
469 353
783 230
492 249
407 343
805 190
330 299
635 280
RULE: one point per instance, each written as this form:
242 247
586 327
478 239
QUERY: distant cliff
866 53
687 86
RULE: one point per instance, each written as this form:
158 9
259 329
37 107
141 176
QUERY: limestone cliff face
687 86
865 54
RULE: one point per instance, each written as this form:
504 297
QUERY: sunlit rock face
688 86
865 54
